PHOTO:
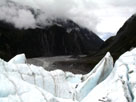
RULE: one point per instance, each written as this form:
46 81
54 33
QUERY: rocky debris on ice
22 82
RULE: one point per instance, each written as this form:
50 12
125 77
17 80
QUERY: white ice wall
21 82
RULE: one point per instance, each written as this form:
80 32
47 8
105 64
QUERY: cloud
122 3
19 12
17 15
25 19
100 16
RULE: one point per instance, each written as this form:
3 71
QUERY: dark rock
107 42
116 45
60 38
123 41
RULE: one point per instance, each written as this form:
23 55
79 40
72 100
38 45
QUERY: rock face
60 38
123 41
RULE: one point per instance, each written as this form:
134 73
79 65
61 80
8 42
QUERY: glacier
107 82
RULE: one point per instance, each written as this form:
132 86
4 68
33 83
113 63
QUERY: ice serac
129 59
19 80
22 82
97 75
120 85
18 59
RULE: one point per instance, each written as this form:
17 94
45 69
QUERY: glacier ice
18 59
120 85
98 74
22 82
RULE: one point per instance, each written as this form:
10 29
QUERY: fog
99 16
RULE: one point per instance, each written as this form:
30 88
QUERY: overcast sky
101 16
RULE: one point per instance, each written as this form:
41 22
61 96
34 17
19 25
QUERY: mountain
124 40
106 35
63 37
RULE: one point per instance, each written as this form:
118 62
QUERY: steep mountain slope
63 37
123 41
116 45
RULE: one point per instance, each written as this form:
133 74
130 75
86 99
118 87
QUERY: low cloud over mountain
99 16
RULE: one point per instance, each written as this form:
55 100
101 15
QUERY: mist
98 16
